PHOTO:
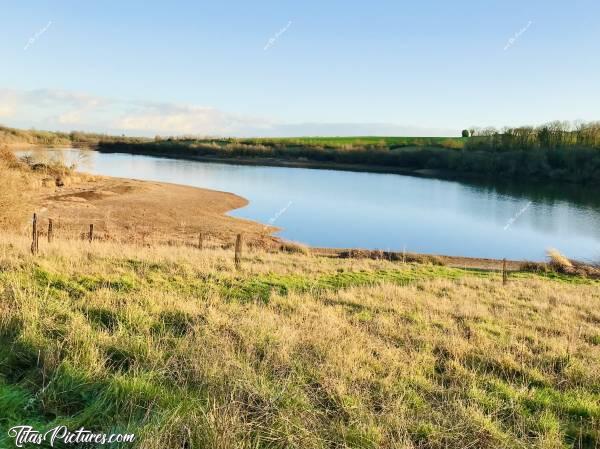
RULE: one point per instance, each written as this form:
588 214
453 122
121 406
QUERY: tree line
556 134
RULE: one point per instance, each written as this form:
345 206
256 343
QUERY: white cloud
169 118
70 118
66 110
50 97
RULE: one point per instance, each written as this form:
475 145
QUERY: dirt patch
451 261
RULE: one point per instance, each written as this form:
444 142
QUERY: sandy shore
146 212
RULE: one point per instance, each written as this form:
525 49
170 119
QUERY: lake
343 209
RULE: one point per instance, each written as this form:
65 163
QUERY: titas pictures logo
26 435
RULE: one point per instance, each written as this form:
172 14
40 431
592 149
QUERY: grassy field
185 351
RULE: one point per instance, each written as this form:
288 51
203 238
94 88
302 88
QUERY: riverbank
143 212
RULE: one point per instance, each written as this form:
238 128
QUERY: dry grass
14 183
294 248
294 350
561 264
20 182
392 256
558 261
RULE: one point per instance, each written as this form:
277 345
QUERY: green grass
182 349
359 141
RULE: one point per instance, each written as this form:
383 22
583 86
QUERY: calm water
380 211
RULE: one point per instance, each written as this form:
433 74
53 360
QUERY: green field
361 141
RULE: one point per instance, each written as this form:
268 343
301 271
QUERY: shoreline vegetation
557 151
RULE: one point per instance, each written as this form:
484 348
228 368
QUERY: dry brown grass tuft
294 248
559 262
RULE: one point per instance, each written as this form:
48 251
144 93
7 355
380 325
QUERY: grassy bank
180 348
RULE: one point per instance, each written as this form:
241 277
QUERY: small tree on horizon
465 133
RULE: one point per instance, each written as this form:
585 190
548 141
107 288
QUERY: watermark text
62 435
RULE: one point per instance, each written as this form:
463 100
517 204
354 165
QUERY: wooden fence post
50 230
238 251
91 234
200 241
504 272
34 236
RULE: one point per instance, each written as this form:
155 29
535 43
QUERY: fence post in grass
200 241
50 230
34 236
238 251
91 234
504 272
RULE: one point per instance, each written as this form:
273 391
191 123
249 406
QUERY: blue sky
332 68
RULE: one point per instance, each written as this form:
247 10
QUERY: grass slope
178 347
